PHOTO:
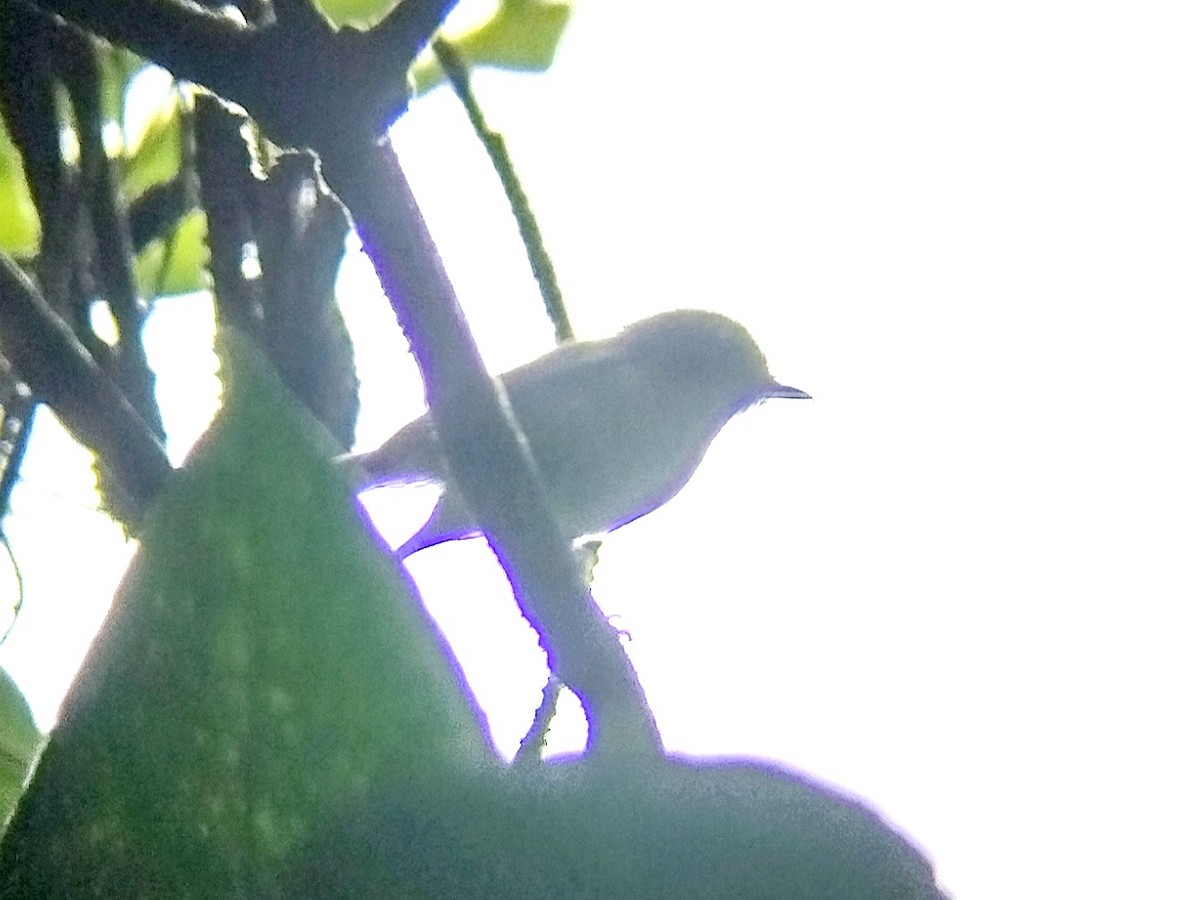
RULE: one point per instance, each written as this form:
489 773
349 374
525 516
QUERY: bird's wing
545 389
553 396
566 364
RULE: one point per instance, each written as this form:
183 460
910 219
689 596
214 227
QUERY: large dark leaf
675 829
262 666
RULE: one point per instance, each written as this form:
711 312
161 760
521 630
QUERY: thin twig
497 150
19 602
18 407
59 371
113 259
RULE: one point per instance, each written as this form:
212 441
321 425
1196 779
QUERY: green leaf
157 157
19 227
358 13
177 265
20 741
673 829
262 665
522 35
154 155
118 67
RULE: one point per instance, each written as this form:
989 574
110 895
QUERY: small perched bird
616 426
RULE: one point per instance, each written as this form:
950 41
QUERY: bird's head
704 355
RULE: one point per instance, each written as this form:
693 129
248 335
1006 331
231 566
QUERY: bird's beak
782 390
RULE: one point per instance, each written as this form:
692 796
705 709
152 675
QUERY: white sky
961 581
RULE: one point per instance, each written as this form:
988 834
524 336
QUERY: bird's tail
410 456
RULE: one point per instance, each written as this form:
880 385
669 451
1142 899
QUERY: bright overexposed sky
961 581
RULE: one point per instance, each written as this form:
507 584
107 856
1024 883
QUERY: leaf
118 68
20 230
522 35
19 227
177 265
675 828
357 13
261 666
20 741
154 154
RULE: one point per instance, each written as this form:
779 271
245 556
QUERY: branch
489 459
226 191
194 43
304 83
27 100
406 30
17 406
60 372
113 256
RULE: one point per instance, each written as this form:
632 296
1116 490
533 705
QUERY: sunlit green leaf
118 67
19 229
523 35
359 13
154 155
159 158
177 265
262 666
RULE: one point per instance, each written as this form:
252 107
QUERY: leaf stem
497 150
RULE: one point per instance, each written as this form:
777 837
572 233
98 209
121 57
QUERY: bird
616 427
